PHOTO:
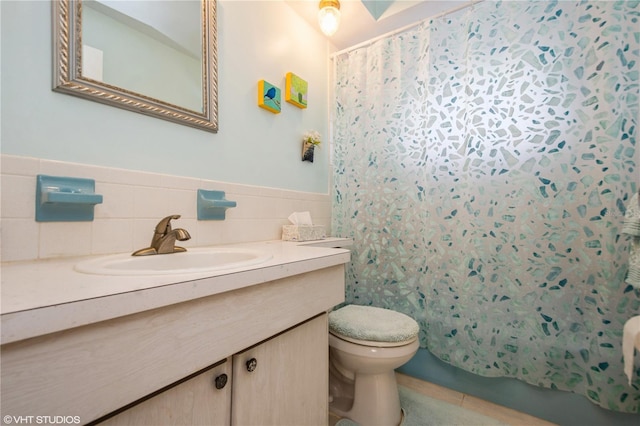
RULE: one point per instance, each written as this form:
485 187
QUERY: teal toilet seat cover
373 324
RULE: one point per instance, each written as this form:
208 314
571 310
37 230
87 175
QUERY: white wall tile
117 201
112 236
151 202
133 203
24 166
19 239
18 196
65 239
182 202
209 232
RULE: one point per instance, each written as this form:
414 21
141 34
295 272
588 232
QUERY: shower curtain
482 163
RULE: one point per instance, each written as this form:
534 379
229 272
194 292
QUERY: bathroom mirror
157 58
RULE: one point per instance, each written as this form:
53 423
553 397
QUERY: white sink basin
194 260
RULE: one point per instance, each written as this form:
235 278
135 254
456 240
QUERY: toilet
366 345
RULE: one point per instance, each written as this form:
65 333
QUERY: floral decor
310 140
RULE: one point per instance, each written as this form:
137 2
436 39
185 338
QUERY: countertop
45 296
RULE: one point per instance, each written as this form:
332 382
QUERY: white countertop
45 296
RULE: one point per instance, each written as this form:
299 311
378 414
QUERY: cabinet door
201 399
284 380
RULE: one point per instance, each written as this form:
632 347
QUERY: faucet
164 238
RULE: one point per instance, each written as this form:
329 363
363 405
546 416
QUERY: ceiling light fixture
329 16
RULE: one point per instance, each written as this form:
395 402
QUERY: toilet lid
372 324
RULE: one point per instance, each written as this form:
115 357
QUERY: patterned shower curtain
482 165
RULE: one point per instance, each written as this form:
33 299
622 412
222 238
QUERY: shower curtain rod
399 30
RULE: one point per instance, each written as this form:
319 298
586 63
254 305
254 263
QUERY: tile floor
472 403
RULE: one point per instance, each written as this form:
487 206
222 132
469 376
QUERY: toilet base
376 401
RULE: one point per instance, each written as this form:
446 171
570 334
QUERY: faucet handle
164 225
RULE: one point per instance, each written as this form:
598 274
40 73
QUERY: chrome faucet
164 238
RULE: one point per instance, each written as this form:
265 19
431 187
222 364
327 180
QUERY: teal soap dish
212 205
65 199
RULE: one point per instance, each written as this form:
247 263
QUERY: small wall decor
310 140
269 97
296 90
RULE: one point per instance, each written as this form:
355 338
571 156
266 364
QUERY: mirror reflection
158 40
154 57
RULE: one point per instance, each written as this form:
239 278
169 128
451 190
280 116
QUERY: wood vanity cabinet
281 381
203 399
93 370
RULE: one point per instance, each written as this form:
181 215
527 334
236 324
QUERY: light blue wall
256 40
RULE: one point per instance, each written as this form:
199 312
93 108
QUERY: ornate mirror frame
67 71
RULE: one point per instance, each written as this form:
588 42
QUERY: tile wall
133 202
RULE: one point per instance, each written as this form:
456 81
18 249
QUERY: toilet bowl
366 345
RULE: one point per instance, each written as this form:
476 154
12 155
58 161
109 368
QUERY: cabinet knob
221 381
252 364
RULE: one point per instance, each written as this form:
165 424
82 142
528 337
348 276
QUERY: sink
194 260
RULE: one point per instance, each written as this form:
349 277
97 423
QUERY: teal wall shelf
212 205
65 199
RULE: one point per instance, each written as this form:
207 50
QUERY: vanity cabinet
92 370
281 381
284 381
203 399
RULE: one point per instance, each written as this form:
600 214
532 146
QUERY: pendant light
329 16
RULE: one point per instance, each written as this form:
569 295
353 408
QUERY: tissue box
303 232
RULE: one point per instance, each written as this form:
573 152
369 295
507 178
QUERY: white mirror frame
67 71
